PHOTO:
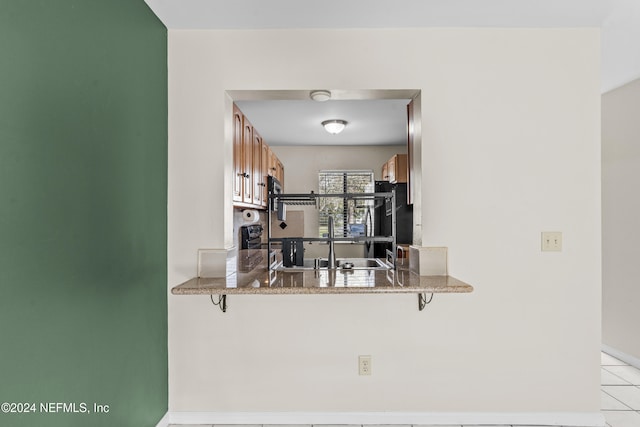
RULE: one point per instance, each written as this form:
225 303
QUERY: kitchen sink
341 264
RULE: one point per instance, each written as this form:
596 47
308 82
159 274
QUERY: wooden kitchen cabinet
247 161
253 162
257 178
276 168
280 173
238 165
385 171
264 172
243 159
273 163
395 169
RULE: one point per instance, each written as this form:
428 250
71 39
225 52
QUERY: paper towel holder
250 216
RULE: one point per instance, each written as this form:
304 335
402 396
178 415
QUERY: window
350 217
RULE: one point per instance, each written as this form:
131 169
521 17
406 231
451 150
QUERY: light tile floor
620 397
620 394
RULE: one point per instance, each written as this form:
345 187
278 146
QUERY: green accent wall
83 196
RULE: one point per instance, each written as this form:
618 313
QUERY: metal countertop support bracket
222 302
422 300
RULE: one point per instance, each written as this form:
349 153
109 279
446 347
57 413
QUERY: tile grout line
632 382
620 410
616 375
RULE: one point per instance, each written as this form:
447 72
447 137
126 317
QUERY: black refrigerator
382 225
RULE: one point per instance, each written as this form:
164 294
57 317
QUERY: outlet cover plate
552 241
364 365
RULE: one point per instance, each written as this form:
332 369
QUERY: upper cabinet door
280 174
273 162
391 169
247 160
256 174
264 171
397 168
238 170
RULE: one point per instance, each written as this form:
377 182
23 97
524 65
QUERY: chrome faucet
332 253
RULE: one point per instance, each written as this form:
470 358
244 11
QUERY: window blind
349 216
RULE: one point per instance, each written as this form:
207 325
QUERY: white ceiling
619 21
369 122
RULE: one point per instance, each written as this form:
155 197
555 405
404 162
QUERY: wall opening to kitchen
378 127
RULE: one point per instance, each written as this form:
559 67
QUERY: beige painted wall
620 213
511 147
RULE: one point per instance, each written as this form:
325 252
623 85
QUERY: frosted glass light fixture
334 126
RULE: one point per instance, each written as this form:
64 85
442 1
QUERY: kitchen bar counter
260 280
324 282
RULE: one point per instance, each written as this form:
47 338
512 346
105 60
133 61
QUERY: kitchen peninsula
261 280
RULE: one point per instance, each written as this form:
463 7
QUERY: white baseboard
626 358
577 419
164 421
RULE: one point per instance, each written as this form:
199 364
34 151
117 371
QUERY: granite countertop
260 280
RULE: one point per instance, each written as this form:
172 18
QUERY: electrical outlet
551 241
364 365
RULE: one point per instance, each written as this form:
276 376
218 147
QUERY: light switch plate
552 241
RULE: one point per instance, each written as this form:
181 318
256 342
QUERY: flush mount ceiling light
320 95
334 126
